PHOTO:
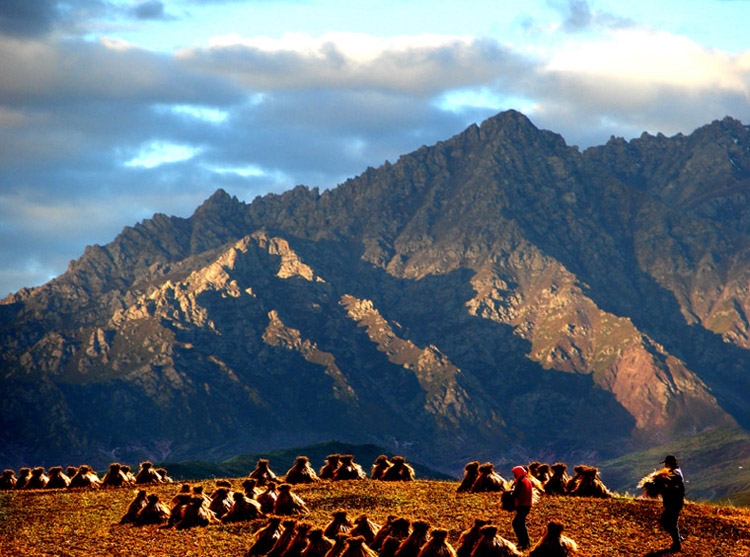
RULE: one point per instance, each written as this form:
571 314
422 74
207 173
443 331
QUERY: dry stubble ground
84 523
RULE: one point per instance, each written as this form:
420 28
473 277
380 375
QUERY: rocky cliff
498 294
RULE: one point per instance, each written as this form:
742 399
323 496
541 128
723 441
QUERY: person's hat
670 459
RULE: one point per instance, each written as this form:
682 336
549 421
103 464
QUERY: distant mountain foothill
498 296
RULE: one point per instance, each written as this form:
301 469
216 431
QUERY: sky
113 110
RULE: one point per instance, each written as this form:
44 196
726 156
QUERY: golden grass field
85 523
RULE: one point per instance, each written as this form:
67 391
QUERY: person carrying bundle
673 498
668 483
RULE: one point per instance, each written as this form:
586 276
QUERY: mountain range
500 295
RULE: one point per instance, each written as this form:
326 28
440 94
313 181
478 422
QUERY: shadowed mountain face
498 295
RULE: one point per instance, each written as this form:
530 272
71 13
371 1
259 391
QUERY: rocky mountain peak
508 121
220 212
463 298
727 126
514 128
219 201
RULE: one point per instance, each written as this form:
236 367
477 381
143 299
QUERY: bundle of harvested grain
301 472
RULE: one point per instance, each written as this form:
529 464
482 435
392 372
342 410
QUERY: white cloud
244 171
204 113
632 80
647 58
116 43
421 65
356 47
156 153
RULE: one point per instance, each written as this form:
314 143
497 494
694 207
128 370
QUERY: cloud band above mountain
98 131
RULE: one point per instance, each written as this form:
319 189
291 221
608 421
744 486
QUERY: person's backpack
507 501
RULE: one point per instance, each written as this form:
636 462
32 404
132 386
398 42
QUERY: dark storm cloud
320 138
49 73
28 18
151 9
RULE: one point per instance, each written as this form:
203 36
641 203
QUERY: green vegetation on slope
716 464
281 460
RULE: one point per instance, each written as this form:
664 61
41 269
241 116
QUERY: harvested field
84 523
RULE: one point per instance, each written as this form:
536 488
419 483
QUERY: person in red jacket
523 497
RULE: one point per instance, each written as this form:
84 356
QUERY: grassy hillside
736 499
281 460
84 523
716 465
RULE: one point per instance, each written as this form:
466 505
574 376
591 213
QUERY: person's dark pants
669 517
519 526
